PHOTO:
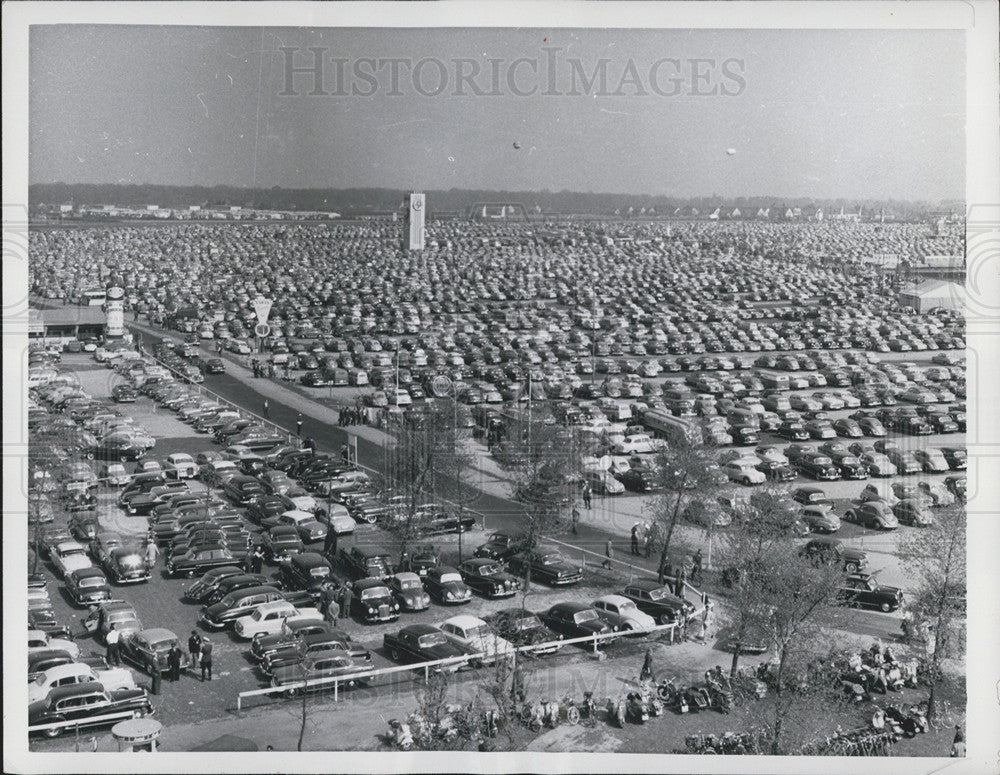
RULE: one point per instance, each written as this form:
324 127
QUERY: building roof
67 315
934 288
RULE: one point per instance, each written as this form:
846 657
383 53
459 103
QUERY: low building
933 294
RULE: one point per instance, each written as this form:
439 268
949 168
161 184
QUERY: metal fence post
336 691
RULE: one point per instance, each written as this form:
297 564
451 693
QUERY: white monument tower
415 222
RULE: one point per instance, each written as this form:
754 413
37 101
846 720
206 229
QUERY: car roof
368 583
75 690
420 629
646 584
407 576
616 599
464 621
154 634
571 606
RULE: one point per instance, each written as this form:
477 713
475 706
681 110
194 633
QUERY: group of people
349 415
200 649
335 601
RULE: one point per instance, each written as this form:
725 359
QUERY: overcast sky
808 113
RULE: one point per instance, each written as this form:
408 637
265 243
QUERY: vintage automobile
148 649
362 562
180 465
44 618
307 570
913 512
419 560
85 704
831 550
268 619
334 663
474 636
68 556
523 628
862 590
445 585
373 602
84 527
820 518
126 566
658 601
41 660
78 673
112 615
503 545
87 586
199 559
409 592
422 643
576 620
488 578
281 542
873 514
546 566
237 603
620 612
39 640
307 526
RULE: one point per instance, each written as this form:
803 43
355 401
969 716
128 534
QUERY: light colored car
623 613
310 529
269 619
113 679
820 518
932 460
474 634
68 556
114 475
39 640
603 482
636 444
877 464
743 471
937 493
771 453
180 465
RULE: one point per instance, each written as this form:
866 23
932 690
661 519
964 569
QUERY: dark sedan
503 546
522 628
488 578
420 643
126 566
576 620
658 601
373 602
445 585
817 466
86 705
88 586
862 590
639 481
546 566
280 542
200 559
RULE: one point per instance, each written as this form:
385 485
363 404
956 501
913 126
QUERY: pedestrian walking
679 583
647 539
696 567
609 555
113 653
706 619
206 659
635 539
152 552
328 601
174 662
267 408
298 426
586 495
309 444
574 519
647 667
194 648
345 453
257 559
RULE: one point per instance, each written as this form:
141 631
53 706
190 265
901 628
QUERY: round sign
417 204
606 462
262 329
441 385
115 292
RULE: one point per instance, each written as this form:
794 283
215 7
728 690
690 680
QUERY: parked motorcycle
399 735
636 709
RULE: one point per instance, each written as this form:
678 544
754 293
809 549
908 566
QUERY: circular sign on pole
262 329
605 462
441 385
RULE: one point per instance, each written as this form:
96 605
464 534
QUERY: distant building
933 294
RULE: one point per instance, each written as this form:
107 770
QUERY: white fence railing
91 721
336 681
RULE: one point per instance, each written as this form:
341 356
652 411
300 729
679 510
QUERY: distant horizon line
774 198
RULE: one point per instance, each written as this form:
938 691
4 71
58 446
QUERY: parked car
862 590
488 578
149 649
237 603
546 566
576 620
87 586
84 705
445 585
363 562
126 566
658 601
913 512
820 518
268 619
199 559
373 602
409 592
502 546
831 550
422 643
873 514
307 570
623 613
112 679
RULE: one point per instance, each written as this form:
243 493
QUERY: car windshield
92 581
433 639
162 645
450 578
585 616
820 460
658 594
476 631
551 559
409 584
489 570
118 617
373 593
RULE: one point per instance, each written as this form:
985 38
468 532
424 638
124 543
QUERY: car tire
851 567
54 732
885 608
666 619
394 654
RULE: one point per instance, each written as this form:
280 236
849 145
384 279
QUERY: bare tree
424 464
684 470
936 559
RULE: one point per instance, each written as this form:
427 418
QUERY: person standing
113 654
517 692
679 584
194 648
706 619
152 552
345 453
174 662
206 659
696 567
609 554
330 543
575 518
298 425
586 495
647 539
267 409
635 539
647 667
156 674
346 600
257 559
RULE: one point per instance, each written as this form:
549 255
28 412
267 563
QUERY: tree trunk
930 700
736 661
671 523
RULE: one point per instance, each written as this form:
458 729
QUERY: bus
673 429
